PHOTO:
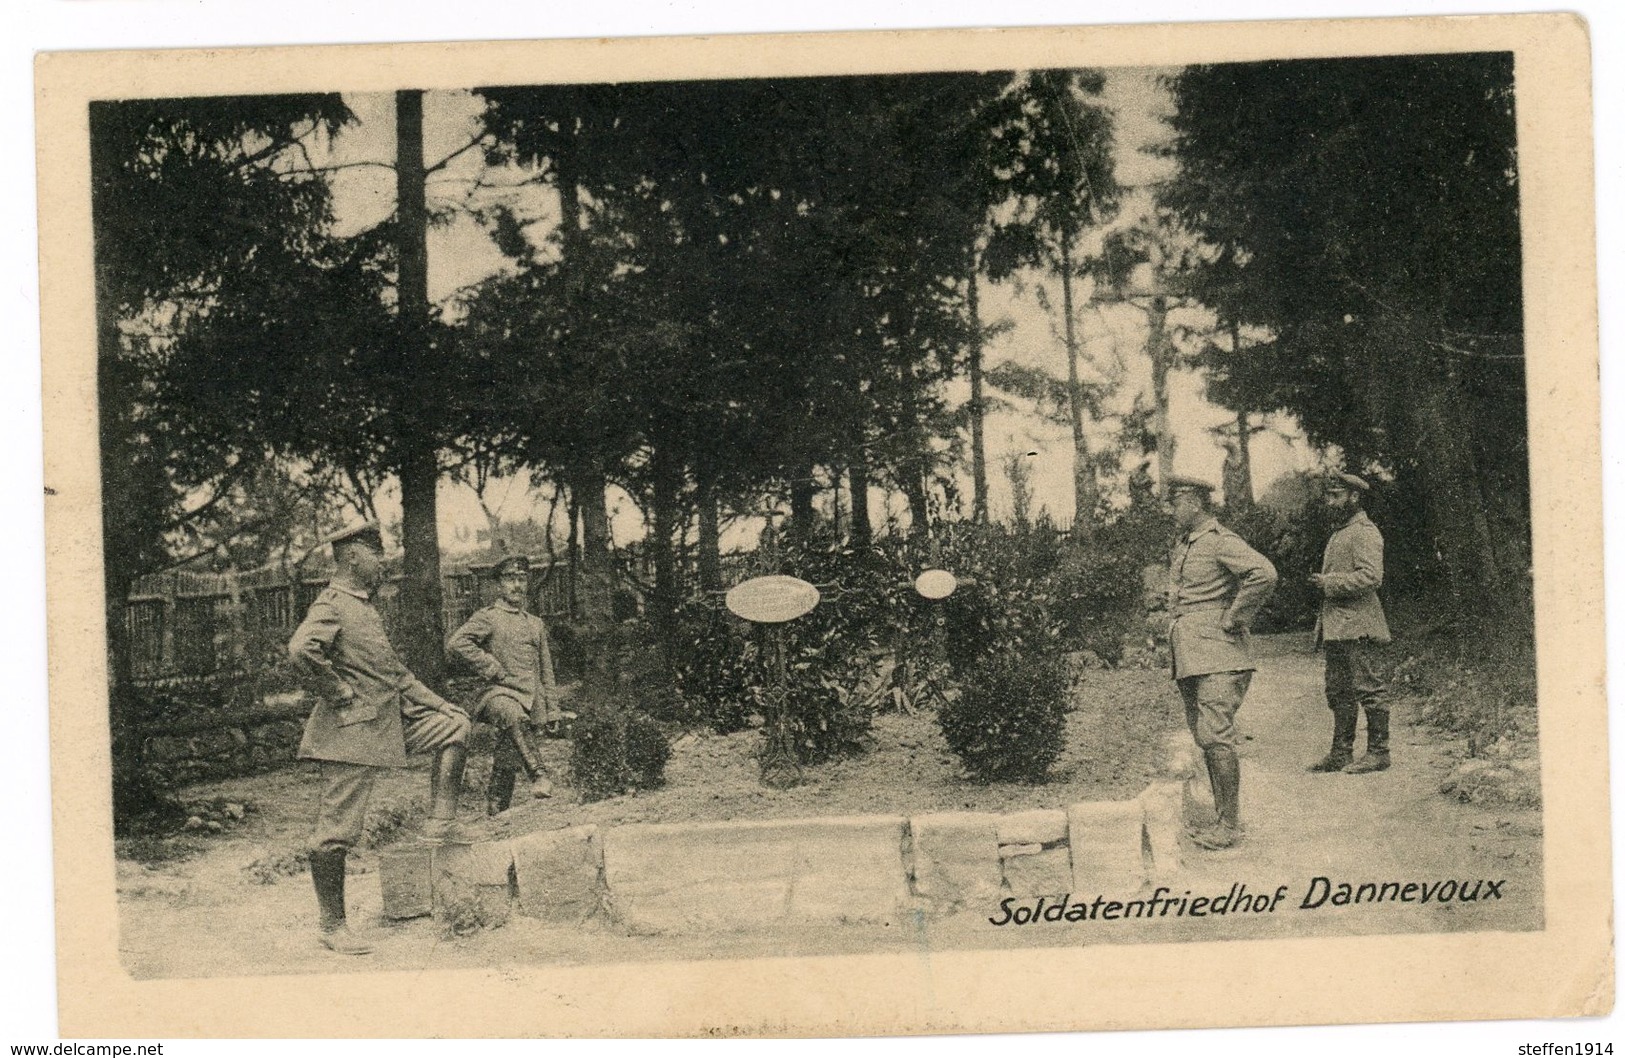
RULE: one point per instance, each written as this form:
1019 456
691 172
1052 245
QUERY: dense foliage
1364 214
614 750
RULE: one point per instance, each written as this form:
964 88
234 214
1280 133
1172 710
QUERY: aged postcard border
1565 969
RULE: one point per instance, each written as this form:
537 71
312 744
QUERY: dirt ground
238 902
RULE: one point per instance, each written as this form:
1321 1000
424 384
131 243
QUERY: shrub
715 673
614 750
1009 719
829 719
647 752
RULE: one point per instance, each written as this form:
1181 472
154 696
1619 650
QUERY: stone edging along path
882 869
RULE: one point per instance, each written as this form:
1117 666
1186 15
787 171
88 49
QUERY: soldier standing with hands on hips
1216 586
1351 622
507 646
370 713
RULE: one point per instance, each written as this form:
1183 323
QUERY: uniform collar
1356 518
364 596
1206 525
506 606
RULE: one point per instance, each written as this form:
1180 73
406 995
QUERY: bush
1009 719
828 716
616 750
715 673
647 751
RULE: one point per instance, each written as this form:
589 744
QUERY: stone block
1162 805
405 875
473 884
558 873
692 877
1041 826
1107 839
956 858
1045 872
1181 758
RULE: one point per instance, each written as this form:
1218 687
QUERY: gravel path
226 910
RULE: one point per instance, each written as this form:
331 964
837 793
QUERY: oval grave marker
936 583
772 600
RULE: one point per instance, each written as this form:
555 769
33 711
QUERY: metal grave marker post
770 603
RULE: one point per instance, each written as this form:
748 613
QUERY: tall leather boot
327 873
1375 757
499 791
1225 771
1345 720
530 759
445 785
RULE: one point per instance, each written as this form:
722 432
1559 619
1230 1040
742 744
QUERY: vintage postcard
829 534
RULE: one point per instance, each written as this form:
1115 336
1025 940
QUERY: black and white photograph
874 512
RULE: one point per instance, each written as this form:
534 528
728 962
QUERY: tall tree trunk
131 790
1086 493
914 488
595 576
1161 363
802 515
978 408
857 477
1244 455
709 543
1447 468
1244 438
421 628
835 476
594 581
665 496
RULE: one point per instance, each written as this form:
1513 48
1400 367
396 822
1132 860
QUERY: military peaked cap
512 564
368 534
1338 479
1182 483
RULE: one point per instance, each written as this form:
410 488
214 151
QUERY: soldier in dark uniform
1351 624
1216 585
508 648
370 713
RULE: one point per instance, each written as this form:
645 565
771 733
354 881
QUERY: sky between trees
462 253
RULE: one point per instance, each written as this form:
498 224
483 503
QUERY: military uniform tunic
1351 573
1214 578
1213 574
370 710
1351 617
508 647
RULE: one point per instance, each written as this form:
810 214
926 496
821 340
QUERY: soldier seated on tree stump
507 646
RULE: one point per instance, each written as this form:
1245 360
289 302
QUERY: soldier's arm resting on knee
418 692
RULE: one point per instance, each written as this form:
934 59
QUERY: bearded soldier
1351 624
370 713
508 648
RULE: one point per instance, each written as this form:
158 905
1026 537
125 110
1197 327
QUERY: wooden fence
186 626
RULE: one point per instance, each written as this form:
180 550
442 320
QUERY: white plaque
772 600
936 583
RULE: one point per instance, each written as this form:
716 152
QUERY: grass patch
1482 688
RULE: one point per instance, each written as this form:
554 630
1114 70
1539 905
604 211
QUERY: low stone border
689 877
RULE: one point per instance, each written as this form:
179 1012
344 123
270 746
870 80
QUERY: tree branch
464 149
